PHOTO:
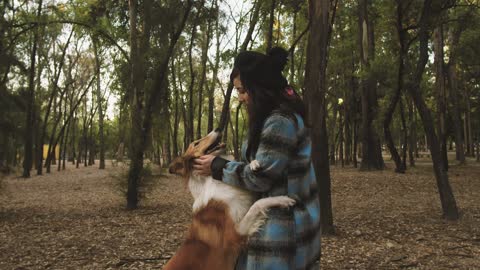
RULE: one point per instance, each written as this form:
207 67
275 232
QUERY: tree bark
441 96
270 25
211 90
28 155
333 126
454 97
101 137
206 45
399 166
142 128
412 133
315 88
49 106
176 117
371 150
447 199
468 124
226 104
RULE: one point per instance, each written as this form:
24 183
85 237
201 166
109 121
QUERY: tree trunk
447 199
191 108
340 137
101 137
399 166
292 54
315 87
270 25
333 126
454 97
478 147
371 151
142 117
136 154
226 104
468 124
404 133
412 138
203 73
29 125
176 116
49 106
211 91
441 92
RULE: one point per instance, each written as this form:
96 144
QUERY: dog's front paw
255 165
284 201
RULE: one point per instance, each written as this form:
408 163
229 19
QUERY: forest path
76 219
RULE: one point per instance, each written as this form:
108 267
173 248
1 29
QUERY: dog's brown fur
212 241
224 216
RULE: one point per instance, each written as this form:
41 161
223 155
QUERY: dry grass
75 219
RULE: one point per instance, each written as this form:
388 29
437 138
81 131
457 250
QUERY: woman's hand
202 165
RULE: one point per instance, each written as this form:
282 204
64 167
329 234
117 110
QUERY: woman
278 139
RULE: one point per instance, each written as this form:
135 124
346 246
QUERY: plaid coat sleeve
277 140
290 238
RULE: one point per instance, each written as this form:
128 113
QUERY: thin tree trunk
371 151
404 133
340 139
468 124
333 125
101 137
292 54
203 77
176 116
447 199
155 90
441 92
28 155
211 91
454 38
478 147
191 109
226 104
270 25
49 106
412 140
399 165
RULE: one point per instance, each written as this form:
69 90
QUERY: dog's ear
177 166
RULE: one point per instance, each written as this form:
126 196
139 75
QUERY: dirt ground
76 219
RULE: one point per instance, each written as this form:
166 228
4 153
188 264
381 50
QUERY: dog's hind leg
256 215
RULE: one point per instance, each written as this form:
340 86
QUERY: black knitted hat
261 69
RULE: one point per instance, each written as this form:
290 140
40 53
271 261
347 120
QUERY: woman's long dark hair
262 103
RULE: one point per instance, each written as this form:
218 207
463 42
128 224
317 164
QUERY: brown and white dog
223 215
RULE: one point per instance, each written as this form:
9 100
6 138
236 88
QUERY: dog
224 216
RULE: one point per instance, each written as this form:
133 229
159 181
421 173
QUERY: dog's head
210 144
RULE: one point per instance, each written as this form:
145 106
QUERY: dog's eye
195 143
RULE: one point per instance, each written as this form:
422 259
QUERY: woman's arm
277 142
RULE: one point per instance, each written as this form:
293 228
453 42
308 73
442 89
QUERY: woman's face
242 92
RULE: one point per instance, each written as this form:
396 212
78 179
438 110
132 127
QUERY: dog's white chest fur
204 189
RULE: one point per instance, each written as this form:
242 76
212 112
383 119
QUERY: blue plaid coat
290 239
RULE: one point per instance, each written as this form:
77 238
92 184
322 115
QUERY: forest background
136 81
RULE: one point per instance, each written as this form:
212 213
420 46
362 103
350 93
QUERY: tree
447 199
315 90
142 108
28 159
371 150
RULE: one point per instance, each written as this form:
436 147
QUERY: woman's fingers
201 165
